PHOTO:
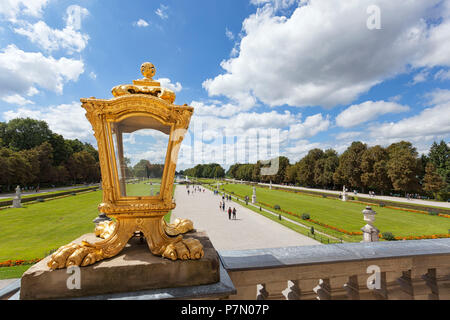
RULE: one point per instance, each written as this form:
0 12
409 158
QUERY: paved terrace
250 230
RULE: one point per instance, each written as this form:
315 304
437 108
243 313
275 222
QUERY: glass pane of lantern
140 145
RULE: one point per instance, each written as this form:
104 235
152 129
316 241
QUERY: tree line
212 170
144 169
32 155
391 170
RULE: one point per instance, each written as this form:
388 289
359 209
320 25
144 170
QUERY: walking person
234 213
223 206
229 213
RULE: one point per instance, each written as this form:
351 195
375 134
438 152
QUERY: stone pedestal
17 203
370 232
134 269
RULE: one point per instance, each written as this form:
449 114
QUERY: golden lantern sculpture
136 197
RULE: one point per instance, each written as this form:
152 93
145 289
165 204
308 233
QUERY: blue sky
318 73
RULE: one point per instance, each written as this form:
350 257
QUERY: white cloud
92 75
167 83
53 39
74 15
16 99
162 12
141 23
309 128
69 120
300 149
428 124
442 75
216 109
420 77
229 34
366 111
324 54
11 9
21 72
348 135
277 4
438 96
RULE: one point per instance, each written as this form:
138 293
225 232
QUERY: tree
3 127
142 169
349 171
280 176
325 168
61 150
291 173
305 172
433 182
374 169
403 167
439 155
82 167
24 134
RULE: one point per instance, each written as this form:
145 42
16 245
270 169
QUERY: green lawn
144 188
13 272
346 215
36 229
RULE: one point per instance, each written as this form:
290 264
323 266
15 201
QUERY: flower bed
13 263
433 236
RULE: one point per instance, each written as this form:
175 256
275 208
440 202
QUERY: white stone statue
18 198
344 194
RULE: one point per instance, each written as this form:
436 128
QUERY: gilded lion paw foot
74 255
186 249
179 226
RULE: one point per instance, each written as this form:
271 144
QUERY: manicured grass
13 272
36 229
346 215
290 225
144 188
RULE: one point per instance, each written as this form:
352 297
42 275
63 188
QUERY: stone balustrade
418 269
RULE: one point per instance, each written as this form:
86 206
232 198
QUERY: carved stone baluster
400 286
261 292
352 288
430 281
382 292
293 291
406 286
443 282
323 290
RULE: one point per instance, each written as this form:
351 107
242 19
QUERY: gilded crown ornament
143 105
146 85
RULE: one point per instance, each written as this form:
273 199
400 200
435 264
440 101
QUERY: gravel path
250 230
